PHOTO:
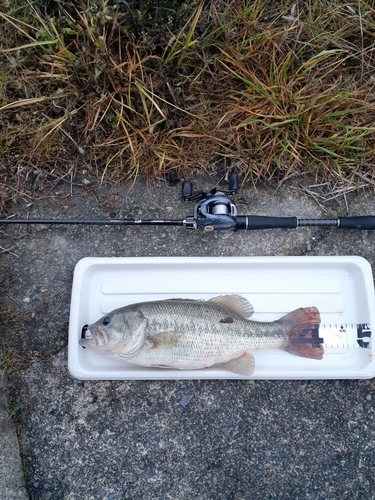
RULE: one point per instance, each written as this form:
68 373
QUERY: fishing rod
215 211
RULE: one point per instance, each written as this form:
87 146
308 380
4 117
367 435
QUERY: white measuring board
340 287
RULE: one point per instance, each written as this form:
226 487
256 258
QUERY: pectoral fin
244 365
165 340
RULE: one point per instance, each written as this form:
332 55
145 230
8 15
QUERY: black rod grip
250 222
363 222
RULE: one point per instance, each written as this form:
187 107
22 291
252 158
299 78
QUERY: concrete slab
12 484
176 439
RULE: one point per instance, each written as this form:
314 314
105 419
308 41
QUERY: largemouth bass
192 334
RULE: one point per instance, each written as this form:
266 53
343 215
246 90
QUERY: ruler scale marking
342 336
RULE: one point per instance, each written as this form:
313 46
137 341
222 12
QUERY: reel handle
187 190
233 183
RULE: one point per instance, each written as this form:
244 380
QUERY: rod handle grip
362 222
250 222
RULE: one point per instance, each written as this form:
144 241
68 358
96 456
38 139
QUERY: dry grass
145 88
11 342
12 362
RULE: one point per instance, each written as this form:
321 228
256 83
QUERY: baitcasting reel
213 209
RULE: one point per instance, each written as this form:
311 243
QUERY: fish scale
193 334
202 338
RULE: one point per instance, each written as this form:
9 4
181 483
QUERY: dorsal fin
235 303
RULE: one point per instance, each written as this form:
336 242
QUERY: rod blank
97 222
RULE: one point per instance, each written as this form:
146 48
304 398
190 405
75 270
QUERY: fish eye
106 320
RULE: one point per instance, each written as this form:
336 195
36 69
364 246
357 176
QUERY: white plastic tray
341 287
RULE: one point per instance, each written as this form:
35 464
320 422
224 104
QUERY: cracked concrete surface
174 439
12 484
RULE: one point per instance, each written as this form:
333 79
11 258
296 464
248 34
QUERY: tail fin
303 333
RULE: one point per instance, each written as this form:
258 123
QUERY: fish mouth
91 338
85 333
86 339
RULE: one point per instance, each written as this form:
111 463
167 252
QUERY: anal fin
244 365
